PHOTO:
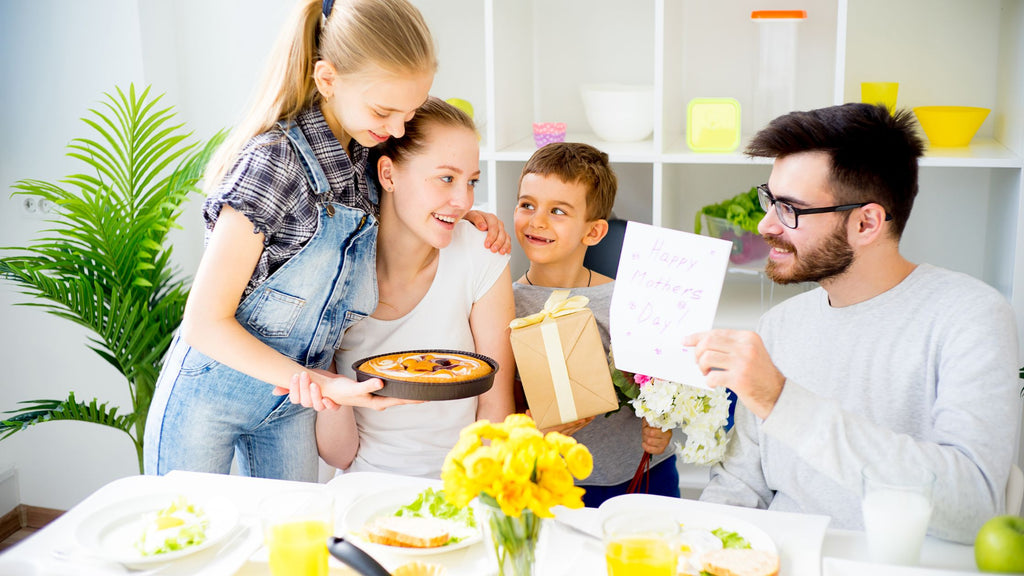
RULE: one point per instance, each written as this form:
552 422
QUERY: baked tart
429 374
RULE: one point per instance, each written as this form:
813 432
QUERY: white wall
57 58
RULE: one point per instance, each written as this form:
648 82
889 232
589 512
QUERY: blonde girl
291 234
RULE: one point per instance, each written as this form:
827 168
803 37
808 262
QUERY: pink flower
641 379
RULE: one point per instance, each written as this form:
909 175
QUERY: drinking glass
296 524
880 93
640 543
897 505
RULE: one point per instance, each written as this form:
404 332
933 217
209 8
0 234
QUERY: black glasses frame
767 200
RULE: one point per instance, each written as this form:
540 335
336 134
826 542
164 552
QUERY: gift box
562 363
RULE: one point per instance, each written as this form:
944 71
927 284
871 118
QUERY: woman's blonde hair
357 36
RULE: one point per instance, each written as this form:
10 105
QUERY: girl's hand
653 440
303 390
336 391
498 240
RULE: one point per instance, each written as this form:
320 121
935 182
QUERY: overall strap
310 165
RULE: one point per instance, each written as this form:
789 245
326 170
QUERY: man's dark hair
873 153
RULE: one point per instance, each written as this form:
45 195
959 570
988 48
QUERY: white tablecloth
562 552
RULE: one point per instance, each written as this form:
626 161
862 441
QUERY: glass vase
514 540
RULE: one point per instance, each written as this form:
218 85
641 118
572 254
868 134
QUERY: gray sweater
925 372
614 441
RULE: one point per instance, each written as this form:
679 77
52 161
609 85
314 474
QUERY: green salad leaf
431 503
743 210
730 539
179 525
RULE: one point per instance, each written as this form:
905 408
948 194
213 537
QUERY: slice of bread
408 532
738 562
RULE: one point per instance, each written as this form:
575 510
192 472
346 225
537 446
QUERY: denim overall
203 413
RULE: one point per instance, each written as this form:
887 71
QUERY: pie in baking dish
426 367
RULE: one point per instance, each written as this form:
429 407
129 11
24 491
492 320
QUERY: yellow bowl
950 125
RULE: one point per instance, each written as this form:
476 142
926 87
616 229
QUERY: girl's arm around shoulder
489 322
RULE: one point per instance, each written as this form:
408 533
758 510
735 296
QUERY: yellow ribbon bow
557 305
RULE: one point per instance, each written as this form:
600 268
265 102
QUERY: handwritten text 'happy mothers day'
668 285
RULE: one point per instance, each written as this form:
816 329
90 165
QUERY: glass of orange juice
296 525
641 543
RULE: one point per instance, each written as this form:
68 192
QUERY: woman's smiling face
433 187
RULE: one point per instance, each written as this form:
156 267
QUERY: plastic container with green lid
775 89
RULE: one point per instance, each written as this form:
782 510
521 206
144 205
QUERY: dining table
569 543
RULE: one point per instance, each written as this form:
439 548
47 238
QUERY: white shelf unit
520 61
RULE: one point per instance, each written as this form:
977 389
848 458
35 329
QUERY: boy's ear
597 231
385 167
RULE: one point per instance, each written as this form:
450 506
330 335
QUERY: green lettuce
743 210
730 539
432 504
190 534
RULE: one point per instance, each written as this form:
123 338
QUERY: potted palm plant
106 263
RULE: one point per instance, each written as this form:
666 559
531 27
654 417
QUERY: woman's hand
653 440
498 240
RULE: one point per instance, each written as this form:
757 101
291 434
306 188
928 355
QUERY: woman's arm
209 323
489 321
337 439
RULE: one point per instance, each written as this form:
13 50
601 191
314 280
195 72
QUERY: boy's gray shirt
613 441
925 372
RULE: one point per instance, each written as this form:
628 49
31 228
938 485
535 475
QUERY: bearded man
886 362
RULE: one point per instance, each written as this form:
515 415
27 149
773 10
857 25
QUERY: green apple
461 104
999 545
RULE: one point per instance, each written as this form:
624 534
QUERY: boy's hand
653 440
498 240
568 428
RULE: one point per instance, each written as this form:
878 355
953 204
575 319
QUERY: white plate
384 502
111 532
757 538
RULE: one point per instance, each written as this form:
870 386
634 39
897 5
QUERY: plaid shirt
269 187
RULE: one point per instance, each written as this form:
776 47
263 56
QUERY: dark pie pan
410 390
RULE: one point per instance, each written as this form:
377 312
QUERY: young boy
566 193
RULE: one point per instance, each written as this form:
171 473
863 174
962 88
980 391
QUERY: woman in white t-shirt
439 288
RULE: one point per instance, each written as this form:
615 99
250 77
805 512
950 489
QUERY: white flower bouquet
700 413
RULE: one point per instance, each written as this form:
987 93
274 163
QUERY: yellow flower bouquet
518 474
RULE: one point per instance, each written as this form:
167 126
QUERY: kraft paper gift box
562 363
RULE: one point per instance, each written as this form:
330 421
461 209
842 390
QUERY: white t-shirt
413 439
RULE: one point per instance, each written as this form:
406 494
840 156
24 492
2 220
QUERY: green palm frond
104 261
39 411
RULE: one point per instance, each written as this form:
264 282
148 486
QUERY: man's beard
832 258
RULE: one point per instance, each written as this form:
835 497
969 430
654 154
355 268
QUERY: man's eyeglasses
789 215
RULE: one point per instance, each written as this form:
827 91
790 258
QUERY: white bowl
619 112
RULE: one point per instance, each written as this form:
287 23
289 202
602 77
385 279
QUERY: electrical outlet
36 207
29 204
